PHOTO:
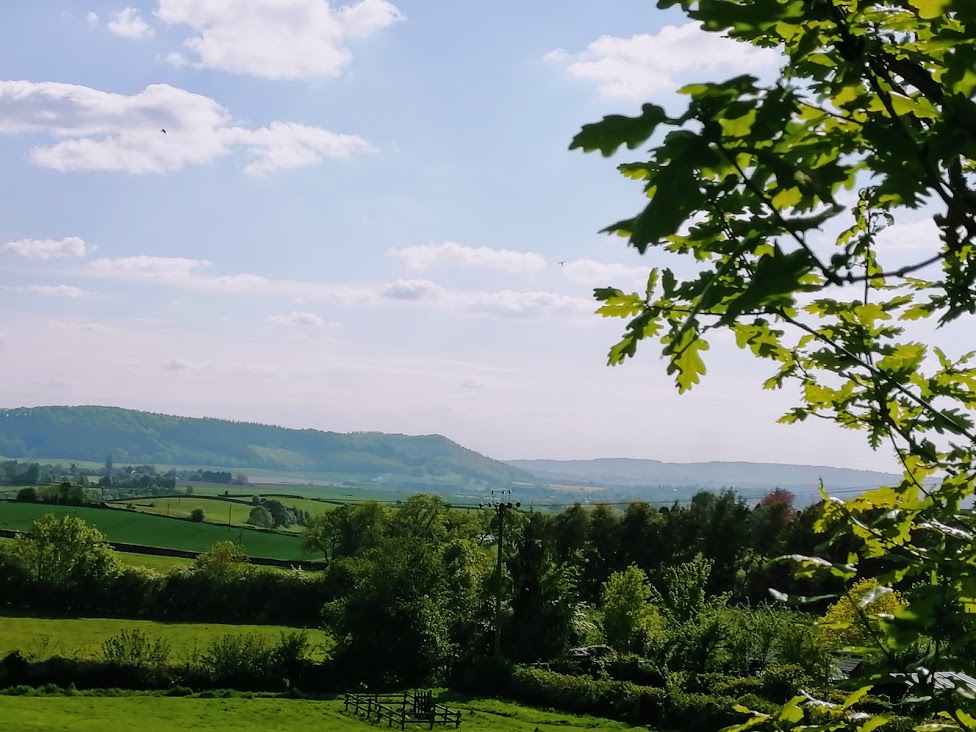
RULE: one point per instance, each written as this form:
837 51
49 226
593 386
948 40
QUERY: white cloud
50 290
301 320
127 23
644 64
71 246
513 303
411 290
284 145
451 254
917 236
296 39
91 18
603 274
125 133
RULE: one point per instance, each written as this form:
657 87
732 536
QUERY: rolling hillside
133 437
801 479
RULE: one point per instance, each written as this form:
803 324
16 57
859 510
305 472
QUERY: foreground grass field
161 714
138 528
82 638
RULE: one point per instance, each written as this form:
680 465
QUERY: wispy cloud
602 274
643 65
71 246
157 130
299 39
194 274
451 254
48 290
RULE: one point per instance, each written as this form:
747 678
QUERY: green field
82 638
359 492
154 562
139 528
216 511
161 714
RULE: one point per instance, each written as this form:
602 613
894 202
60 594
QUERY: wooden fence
400 710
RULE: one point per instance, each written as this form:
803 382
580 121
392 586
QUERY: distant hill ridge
135 437
714 474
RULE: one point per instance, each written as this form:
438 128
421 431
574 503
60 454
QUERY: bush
782 681
733 686
621 700
576 694
636 670
27 495
134 649
197 515
250 661
15 664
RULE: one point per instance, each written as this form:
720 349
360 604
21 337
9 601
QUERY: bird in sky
164 132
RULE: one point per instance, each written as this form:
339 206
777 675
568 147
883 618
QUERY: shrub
134 649
248 661
27 495
635 669
197 515
15 664
576 694
236 655
782 681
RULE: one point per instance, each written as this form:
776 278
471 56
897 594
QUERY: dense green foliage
408 595
779 193
218 587
86 433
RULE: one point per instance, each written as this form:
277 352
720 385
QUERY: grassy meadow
216 511
192 714
138 528
82 638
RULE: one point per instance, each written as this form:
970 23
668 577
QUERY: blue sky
354 221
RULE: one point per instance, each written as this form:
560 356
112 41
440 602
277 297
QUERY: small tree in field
27 495
197 515
260 516
223 561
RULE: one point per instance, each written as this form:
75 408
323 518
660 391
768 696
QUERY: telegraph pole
500 506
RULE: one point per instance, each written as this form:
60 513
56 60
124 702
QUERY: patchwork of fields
139 528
